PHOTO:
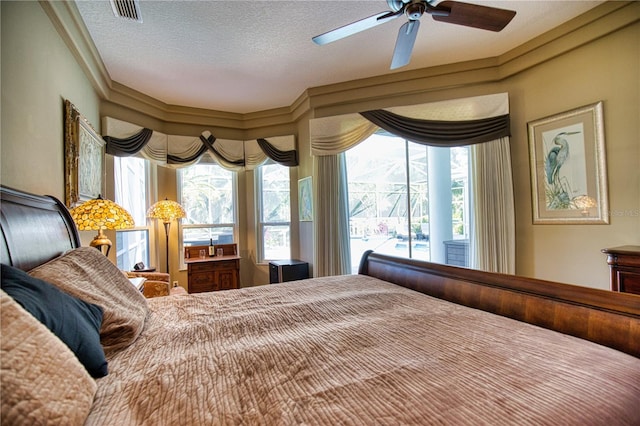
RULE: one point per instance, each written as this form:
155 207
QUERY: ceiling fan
453 12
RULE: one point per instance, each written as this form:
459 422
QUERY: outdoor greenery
207 194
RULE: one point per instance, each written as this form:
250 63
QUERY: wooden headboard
35 229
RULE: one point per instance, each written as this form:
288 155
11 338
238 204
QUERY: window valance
440 132
126 139
336 134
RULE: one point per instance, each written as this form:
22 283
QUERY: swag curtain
438 132
126 139
483 118
154 149
281 149
128 146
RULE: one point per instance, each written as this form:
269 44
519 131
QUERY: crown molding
588 27
351 96
68 23
389 90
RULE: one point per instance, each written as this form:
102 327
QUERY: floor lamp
166 211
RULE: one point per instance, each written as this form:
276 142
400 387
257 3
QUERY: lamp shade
166 211
99 213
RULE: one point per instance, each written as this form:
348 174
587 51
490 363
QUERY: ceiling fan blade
404 44
472 15
355 27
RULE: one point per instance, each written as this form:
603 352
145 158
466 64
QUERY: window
208 195
274 212
132 192
390 202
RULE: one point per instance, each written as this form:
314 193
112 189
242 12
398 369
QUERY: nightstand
624 263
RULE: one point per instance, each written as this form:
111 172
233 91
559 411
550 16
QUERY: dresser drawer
214 266
200 267
222 265
201 281
201 278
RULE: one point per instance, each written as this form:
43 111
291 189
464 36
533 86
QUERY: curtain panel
332 254
493 205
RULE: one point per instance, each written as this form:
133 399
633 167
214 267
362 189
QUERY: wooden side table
212 273
624 264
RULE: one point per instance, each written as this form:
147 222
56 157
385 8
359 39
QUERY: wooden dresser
624 263
212 273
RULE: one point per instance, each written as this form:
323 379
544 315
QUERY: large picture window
274 212
403 204
208 195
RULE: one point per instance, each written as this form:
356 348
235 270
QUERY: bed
402 342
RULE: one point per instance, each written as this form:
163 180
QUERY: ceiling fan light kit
451 12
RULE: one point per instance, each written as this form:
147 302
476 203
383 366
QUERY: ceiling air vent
127 9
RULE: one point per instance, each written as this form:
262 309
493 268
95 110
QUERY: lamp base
100 241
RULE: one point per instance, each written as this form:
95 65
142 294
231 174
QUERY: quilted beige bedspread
356 350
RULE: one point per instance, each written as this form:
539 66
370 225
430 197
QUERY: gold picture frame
568 167
84 152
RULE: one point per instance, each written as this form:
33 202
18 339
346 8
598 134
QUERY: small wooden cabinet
212 273
624 263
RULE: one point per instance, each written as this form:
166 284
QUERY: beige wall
592 58
38 74
606 70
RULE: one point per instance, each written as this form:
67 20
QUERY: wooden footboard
608 318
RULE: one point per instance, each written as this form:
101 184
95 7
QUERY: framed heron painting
568 167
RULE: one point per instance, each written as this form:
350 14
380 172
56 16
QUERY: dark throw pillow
75 322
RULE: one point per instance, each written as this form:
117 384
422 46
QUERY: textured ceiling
249 56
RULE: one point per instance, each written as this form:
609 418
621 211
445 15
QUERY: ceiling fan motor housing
415 9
